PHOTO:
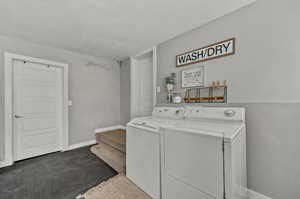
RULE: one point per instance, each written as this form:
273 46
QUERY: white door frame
8 101
133 81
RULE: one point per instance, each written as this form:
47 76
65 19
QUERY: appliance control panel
218 113
168 112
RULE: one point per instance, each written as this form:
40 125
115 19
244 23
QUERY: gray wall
125 91
264 77
273 149
266 64
93 88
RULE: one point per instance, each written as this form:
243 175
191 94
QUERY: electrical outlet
158 89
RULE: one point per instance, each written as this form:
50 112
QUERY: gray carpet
54 176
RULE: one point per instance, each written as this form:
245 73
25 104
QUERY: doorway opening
143 83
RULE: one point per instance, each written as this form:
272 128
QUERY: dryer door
192 166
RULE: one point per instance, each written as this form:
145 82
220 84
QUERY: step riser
115 158
113 144
115 139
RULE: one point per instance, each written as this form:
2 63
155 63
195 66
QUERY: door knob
18 116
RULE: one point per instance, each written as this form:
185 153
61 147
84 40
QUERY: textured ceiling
107 28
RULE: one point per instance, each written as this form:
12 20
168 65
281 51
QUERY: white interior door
142 99
37 109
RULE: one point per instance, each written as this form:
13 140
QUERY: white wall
94 88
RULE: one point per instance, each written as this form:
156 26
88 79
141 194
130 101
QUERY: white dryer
204 155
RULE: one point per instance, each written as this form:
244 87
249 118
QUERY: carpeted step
113 157
115 138
118 187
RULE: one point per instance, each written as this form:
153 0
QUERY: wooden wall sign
213 51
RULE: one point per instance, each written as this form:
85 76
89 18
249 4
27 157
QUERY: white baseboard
110 128
254 195
5 164
250 194
82 144
91 142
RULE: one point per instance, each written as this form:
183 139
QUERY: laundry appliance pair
188 152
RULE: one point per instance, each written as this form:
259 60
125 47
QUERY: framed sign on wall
213 51
194 77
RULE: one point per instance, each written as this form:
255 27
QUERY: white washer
143 154
204 156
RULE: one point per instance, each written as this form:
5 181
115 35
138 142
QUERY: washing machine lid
152 123
146 123
221 130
